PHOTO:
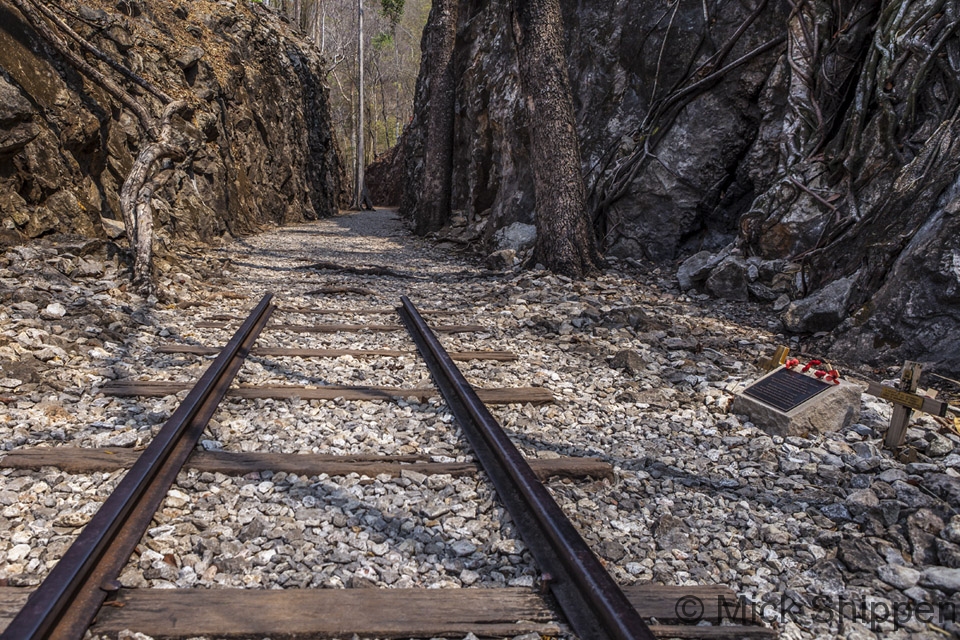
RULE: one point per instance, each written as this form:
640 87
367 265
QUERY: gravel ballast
643 377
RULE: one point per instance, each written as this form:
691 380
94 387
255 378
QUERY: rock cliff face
263 151
791 146
614 50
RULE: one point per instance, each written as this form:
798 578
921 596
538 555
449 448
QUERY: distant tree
392 10
381 43
565 241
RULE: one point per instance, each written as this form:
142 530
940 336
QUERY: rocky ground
643 373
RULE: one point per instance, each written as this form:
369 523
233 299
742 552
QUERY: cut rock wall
784 149
613 50
264 154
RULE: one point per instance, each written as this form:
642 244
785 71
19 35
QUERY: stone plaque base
829 410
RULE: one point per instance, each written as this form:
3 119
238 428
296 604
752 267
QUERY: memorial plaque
785 389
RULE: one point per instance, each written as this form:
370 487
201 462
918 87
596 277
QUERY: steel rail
66 602
592 602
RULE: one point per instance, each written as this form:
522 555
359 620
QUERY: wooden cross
779 357
905 401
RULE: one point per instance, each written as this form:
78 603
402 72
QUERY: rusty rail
592 602
68 600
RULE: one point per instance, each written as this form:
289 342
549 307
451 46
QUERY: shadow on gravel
714 484
413 535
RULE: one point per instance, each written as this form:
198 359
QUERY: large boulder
517 236
696 268
729 279
822 311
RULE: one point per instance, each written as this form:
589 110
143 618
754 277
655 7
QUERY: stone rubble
643 374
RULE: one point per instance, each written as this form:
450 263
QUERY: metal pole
360 147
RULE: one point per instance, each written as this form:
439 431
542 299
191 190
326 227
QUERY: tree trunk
565 243
383 106
434 202
399 123
323 27
371 127
297 17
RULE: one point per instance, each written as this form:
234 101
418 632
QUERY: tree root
141 183
327 291
373 270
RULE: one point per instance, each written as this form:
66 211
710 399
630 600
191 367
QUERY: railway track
84 591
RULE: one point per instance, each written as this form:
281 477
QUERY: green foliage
382 41
384 132
392 10
391 58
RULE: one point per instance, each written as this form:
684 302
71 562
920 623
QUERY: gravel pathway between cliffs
643 377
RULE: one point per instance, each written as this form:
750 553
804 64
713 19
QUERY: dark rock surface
821 311
916 311
696 269
613 53
384 178
728 280
700 132
859 555
259 109
630 361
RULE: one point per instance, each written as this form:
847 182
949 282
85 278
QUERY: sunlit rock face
259 126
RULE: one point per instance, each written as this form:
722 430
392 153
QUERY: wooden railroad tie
385 311
348 328
510 395
501 356
387 613
90 460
